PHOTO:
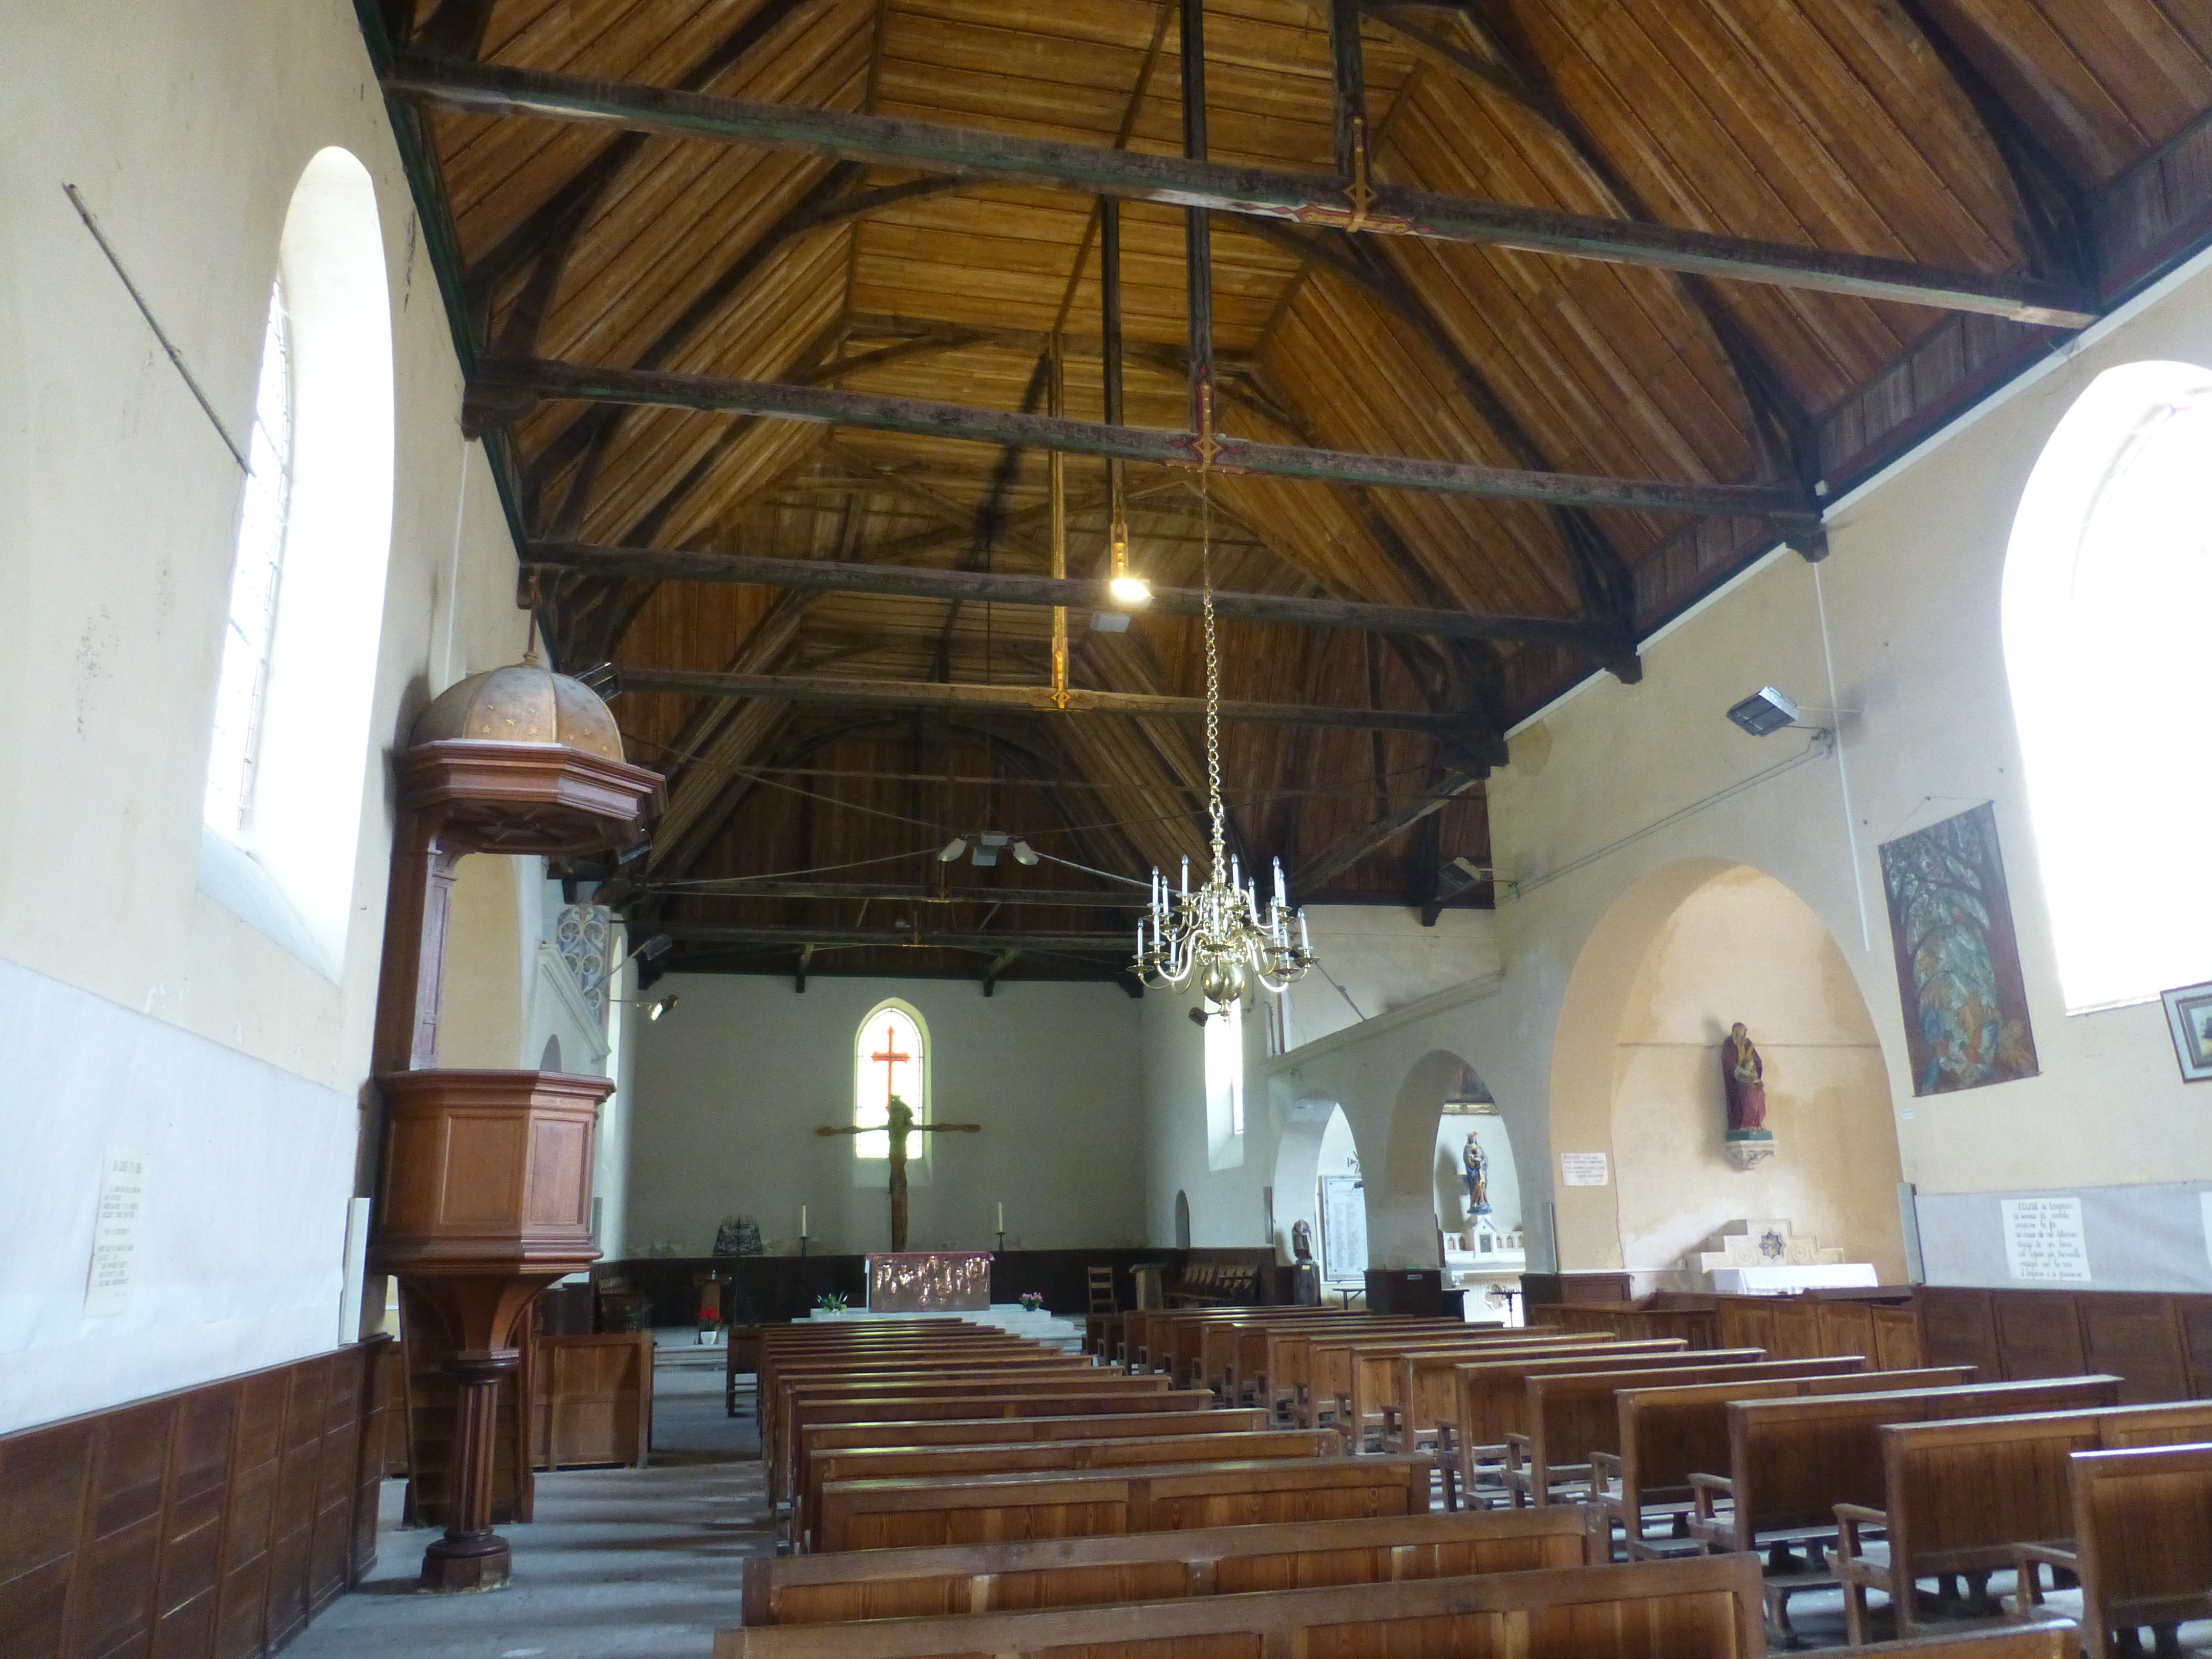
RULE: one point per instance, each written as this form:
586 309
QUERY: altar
930 1282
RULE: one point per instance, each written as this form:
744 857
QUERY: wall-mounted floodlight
1024 854
651 950
987 847
953 849
1765 711
655 1010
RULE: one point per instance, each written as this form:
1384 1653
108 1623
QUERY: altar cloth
930 1282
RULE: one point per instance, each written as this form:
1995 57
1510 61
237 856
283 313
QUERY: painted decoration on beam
1958 958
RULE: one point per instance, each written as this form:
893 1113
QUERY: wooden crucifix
901 1124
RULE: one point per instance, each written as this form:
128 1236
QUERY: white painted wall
241 1068
731 1084
1912 590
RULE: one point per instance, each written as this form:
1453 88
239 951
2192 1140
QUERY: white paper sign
1583 1168
115 1232
2043 1240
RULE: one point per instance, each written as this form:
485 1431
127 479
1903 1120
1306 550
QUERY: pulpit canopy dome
524 703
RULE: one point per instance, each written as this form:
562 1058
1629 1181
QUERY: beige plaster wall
1613 812
185 126
1743 947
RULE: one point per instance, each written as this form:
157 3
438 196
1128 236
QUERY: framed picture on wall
2189 1013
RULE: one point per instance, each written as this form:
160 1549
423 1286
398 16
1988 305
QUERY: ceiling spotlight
1765 711
654 1011
987 845
1130 590
953 849
1024 855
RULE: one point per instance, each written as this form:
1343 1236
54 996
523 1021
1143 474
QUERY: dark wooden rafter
815 688
1332 862
1782 431
1197 234
970 584
1602 576
1000 963
2055 227
546 236
791 936
990 514
1222 187
783 400
747 887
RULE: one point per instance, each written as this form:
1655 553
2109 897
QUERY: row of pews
1265 1482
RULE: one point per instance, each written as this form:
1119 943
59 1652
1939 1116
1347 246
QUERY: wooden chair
1155 1566
1164 1497
1962 1493
1100 1284
1691 1609
2143 1547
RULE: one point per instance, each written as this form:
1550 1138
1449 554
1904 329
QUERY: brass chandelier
1219 937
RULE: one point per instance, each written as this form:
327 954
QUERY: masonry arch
1681 956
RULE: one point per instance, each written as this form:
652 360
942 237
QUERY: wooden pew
776 1385
1491 1399
1154 1566
1320 1367
1960 1494
1235 1355
1370 1371
1669 1433
824 1438
945 1463
1791 1461
1426 1392
868 1407
1690 1609
1158 1497
1569 1417
2052 1639
2143 1545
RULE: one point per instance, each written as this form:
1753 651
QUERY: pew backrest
1143 1566
1159 1497
1710 1606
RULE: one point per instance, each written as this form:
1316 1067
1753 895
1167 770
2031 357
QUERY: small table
1347 1292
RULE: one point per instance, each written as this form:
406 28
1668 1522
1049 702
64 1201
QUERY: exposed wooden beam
746 887
1038 700
805 960
1000 963
828 575
960 421
1327 865
992 944
1222 187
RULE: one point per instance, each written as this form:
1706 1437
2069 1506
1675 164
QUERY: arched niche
1182 1219
1297 1171
1401 1195
1687 953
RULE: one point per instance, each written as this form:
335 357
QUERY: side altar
930 1282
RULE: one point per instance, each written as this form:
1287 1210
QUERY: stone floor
647 1562
618 1563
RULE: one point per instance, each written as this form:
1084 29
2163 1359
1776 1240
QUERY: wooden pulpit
485 1191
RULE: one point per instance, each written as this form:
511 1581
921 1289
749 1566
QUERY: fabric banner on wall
2105 1238
1958 960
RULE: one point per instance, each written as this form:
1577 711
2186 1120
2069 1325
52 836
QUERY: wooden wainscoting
209 1524
2161 1345
591 1405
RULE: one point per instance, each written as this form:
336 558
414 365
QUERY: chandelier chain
1212 672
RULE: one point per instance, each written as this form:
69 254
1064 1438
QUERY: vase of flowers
831 1302
1032 1302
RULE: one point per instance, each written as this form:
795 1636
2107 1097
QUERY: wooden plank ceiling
1969 135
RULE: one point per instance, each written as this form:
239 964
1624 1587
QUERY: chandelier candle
1219 937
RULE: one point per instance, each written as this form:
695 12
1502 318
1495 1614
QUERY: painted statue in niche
1958 958
1744 1076
1474 1169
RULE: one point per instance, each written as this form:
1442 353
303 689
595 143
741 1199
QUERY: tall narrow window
1225 1088
890 1056
2108 581
255 573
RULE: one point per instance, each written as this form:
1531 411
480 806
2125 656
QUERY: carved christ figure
900 1124
1744 1077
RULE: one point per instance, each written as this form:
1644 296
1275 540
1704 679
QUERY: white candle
1002 1215
1186 877
1304 943
1279 895
802 1221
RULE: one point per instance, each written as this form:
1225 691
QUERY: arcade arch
1684 954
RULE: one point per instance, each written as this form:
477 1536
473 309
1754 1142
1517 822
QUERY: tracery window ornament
580 934
891 1055
2108 580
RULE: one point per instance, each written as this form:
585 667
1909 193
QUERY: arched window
2108 582
1225 1087
890 1056
289 756
253 579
